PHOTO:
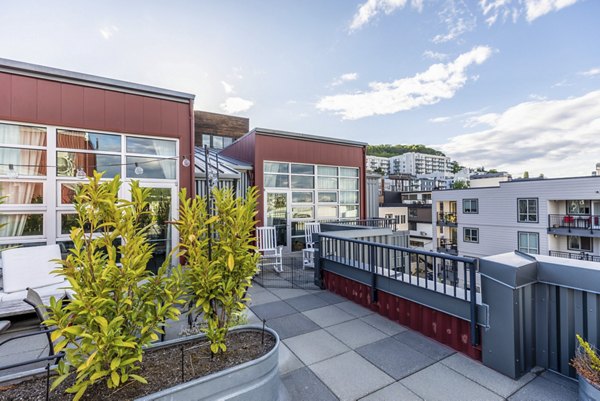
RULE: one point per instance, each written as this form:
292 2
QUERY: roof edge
297 135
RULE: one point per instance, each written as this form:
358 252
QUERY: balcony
448 247
446 219
579 225
575 255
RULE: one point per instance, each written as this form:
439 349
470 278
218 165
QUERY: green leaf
114 376
138 378
115 363
230 261
58 380
80 392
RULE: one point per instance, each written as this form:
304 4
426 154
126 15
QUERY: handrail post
318 278
373 275
473 290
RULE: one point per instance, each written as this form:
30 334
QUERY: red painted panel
114 107
134 113
440 326
48 101
72 105
152 123
23 104
183 120
5 95
93 107
169 118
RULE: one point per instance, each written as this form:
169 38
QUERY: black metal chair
34 299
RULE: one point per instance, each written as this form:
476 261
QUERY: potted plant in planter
119 308
587 364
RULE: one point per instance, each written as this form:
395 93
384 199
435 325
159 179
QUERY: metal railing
450 247
572 221
295 272
575 255
453 276
446 218
382 222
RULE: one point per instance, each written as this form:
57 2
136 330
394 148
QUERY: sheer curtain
168 166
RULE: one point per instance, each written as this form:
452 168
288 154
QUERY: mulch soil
161 367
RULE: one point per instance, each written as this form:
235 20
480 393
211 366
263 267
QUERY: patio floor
334 349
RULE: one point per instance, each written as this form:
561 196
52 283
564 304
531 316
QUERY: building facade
303 178
419 163
556 217
217 131
378 164
57 127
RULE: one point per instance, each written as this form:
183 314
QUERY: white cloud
233 105
532 9
435 55
489 119
554 137
591 72
439 81
228 88
371 8
438 120
350 76
461 116
108 31
458 19
535 96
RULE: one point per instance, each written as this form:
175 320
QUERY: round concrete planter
253 380
587 391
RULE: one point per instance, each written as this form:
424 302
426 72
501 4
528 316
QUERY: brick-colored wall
219 124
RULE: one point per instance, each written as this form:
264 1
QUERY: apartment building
557 217
377 163
419 163
217 131
412 210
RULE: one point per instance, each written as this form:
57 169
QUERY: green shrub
117 308
216 287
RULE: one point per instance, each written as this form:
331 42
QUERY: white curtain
168 166
19 192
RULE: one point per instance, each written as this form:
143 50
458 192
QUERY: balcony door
277 214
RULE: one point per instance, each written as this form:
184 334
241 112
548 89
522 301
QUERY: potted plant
109 330
587 364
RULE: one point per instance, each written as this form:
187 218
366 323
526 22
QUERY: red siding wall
41 101
440 326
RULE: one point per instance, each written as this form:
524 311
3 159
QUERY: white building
419 163
557 217
377 162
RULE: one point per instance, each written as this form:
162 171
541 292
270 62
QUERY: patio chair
266 242
31 267
308 253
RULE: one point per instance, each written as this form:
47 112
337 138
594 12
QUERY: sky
507 84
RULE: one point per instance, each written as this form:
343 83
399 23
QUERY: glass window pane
276 167
302 212
302 197
298 228
298 244
217 142
276 181
327 196
161 169
67 193
206 140
586 243
22 135
22 193
227 141
21 225
348 172
348 212
327 212
88 141
25 161
303 181
146 146
67 164
327 183
327 170
349 184
67 221
303 169
350 197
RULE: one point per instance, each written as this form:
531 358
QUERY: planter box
587 391
253 380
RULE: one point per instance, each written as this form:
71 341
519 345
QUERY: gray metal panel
542 323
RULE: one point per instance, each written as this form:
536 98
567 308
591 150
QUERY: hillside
395 150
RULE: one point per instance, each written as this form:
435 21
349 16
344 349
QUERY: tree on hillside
526 174
460 185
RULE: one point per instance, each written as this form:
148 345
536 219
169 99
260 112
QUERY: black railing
291 271
575 255
573 221
450 247
390 223
451 275
446 219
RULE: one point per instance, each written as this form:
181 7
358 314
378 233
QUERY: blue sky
508 84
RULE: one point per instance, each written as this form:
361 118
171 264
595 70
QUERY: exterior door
162 204
277 214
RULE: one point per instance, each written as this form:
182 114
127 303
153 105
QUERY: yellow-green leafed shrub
117 307
587 362
216 287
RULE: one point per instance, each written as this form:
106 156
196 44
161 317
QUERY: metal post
208 208
473 291
373 275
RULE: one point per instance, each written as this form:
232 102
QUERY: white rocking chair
266 241
308 253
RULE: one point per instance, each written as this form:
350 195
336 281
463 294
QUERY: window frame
580 249
470 240
528 213
470 200
529 234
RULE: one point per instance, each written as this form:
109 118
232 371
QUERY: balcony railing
449 247
570 222
446 219
379 222
575 255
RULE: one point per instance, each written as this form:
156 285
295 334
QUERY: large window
528 242
580 206
527 210
584 244
470 234
216 141
470 206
